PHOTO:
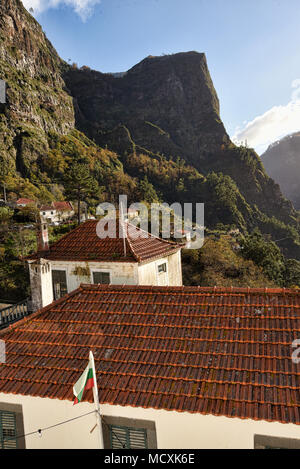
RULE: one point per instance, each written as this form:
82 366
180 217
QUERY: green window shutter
8 431
129 438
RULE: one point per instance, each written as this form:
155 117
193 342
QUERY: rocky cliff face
282 162
168 104
36 101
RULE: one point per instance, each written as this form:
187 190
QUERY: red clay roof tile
214 351
24 201
83 244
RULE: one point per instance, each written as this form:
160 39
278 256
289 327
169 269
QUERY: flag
85 382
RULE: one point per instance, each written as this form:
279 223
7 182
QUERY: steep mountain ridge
168 106
282 162
36 100
168 103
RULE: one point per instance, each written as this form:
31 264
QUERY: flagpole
96 402
124 233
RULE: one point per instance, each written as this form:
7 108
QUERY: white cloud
274 124
83 8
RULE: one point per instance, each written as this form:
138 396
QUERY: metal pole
96 402
124 232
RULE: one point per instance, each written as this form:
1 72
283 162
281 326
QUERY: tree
146 191
6 214
29 213
292 273
265 254
79 184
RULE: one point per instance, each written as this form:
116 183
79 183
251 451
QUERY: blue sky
252 49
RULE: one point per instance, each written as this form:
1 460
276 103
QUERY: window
273 442
101 277
11 426
123 433
162 268
59 281
8 430
127 438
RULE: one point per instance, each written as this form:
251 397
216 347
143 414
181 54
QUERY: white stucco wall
56 216
148 273
175 269
41 283
120 272
178 430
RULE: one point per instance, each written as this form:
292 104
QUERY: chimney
42 237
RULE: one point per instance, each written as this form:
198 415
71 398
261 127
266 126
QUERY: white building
57 212
82 257
23 202
177 367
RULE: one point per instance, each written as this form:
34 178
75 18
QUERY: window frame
17 410
57 269
102 271
135 424
162 271
113 428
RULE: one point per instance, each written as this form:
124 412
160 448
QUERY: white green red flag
85 382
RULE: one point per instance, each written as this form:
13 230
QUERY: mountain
36 100
152 132
168 103
168 106
282 162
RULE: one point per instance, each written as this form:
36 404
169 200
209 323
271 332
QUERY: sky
252 48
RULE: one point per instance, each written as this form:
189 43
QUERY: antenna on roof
122 223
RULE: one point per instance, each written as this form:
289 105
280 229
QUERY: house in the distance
23 202
177 367
82 256
57 212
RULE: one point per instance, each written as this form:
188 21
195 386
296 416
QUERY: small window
8 432
124 433
101 277
59 282
162 268
127 438
44 213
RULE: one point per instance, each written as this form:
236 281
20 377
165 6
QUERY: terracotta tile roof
59 206
83 244
62 206
201 350
24 201
46 208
